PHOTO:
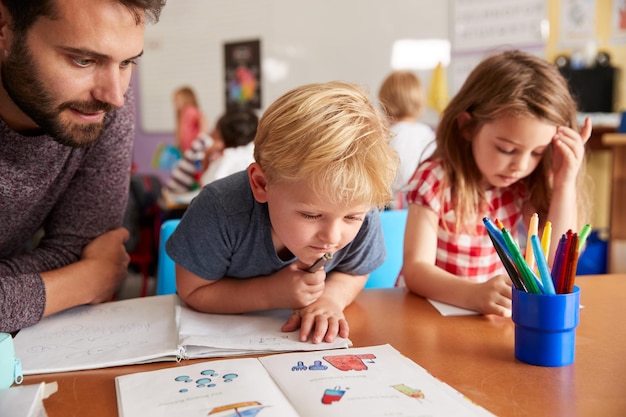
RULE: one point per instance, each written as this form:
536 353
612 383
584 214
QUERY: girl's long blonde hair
511 83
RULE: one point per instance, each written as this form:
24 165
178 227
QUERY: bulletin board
481 27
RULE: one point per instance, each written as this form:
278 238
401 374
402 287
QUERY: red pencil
560 287
572 263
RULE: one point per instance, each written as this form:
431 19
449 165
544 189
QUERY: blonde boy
323 166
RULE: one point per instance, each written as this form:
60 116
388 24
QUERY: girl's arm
423 277
569 151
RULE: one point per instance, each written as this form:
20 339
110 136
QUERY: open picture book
367 381
150 329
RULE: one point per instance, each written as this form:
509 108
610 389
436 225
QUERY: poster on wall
243 74
578 21
619 20
482 27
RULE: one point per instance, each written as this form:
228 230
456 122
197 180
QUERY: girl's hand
494 296
569 150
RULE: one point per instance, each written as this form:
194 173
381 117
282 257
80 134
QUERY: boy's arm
424 278
291 287
323 320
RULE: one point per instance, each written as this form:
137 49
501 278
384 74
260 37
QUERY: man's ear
6 34
258 182
464 120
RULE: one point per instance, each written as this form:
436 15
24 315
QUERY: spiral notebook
151 329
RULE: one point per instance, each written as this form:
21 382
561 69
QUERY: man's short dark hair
24 13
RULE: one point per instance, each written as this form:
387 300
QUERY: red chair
143 220
144 254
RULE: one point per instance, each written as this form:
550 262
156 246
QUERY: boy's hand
494 296
294 287
322 321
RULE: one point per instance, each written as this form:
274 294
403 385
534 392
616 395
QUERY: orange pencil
499 224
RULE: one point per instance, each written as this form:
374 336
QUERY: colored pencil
542 265
508 264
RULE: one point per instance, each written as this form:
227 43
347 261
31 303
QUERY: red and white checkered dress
471 256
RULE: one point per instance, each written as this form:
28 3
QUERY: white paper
234 385
150 329
368 381
99 336
25 400
450 310
242 333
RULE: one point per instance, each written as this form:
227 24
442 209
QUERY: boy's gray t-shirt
225 232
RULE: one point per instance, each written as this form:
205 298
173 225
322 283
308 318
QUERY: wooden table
473 354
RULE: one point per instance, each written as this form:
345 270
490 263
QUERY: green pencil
583 235
519 260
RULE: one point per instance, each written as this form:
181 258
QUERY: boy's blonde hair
401 95
511 83
331 136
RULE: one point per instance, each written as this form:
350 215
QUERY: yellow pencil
546 237
533 229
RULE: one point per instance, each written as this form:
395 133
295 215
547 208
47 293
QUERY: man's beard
28 92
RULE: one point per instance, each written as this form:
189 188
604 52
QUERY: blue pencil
496 233
542 266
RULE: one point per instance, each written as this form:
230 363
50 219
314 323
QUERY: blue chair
393 223
166 269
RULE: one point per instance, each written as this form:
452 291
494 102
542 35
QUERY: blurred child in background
190 121
402 99
226 150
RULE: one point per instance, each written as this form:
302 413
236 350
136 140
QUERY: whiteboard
301 42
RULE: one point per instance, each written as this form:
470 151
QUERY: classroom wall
324 40
347 40
599 162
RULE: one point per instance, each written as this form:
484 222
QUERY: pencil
542 265
560 287
559 256
508 265
546 237
495 233
572 264
320 262
533 229
529 280
584 234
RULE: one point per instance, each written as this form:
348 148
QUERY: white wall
314 41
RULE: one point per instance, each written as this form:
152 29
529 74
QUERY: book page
99 336
223 388
25 400
210 335
370 381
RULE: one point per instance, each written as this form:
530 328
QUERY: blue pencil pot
545 327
